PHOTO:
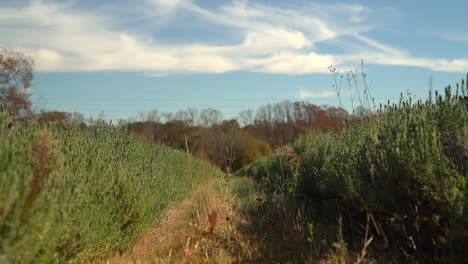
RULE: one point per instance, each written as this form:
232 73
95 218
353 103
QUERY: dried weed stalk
46 158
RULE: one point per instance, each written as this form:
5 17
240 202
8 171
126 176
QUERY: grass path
226 221
202 229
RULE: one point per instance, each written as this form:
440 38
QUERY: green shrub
248 149
68 194
406 165
276 174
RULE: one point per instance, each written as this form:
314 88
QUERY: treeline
228 144
233 144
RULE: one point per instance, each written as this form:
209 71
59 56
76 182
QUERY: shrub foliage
68 194
406 165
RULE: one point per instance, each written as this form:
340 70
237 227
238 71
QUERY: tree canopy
16 69
16 74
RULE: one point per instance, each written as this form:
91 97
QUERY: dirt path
203 229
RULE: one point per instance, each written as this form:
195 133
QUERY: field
391 188
233 132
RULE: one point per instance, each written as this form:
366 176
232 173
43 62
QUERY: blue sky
122 57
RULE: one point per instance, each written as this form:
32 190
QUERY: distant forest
228 144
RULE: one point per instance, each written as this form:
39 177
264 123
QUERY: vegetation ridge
72 194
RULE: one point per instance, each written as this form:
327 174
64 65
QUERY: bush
248 149
69 195
406 165
276 174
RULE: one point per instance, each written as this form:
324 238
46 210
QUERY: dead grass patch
202 229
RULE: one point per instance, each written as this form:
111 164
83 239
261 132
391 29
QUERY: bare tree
153 116
288 108
168 116
193 114
142 116
181 115
210 117
279 115
362 111
100 120
264 113
77 118
246 117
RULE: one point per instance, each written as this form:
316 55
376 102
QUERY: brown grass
45 159
200 230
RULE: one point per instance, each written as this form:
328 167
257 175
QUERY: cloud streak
67 37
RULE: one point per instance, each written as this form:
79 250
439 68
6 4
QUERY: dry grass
46 159
203 229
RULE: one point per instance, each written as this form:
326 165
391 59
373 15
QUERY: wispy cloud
67 37
306 94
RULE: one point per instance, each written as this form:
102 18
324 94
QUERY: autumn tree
57 117
60 118
232 144
16 74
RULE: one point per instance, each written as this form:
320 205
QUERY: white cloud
377 45
49 59
65 37
304 94
271 39
293 63
404 59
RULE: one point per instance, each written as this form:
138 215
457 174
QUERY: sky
123 57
